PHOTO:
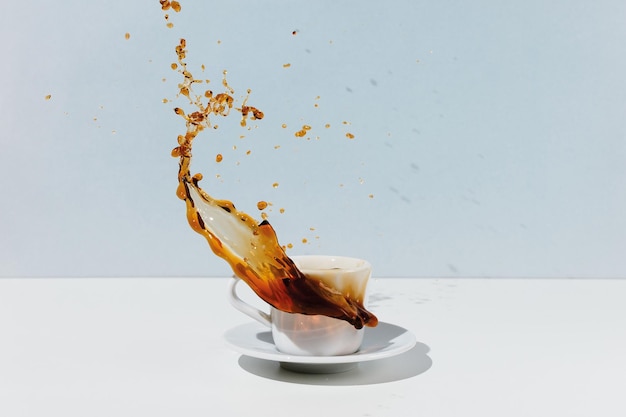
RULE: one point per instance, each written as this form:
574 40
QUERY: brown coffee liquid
250 248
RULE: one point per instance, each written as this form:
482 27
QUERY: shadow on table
406 365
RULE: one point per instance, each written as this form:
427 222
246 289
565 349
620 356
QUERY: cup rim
362 264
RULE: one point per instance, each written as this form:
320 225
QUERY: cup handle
246 308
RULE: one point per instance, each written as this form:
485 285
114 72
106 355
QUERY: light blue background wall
491 134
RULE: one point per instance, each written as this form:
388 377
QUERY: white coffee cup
315 335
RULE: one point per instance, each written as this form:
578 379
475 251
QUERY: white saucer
383 341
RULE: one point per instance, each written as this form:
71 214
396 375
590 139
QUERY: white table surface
154 347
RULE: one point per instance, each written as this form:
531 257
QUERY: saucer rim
399 344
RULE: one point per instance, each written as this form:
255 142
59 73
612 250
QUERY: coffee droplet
165 5
349 135
127 36
48 97
218 157
302 132
275 185
261 205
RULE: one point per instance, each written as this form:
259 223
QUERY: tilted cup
315 335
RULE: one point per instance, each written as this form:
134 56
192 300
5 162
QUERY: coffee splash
250 248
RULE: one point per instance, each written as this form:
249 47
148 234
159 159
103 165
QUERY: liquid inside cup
347 275
317 335
304 335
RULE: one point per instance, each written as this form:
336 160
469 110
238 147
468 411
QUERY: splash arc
250 248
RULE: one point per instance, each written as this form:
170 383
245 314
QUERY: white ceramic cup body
315 335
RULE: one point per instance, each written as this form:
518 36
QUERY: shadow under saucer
403 366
